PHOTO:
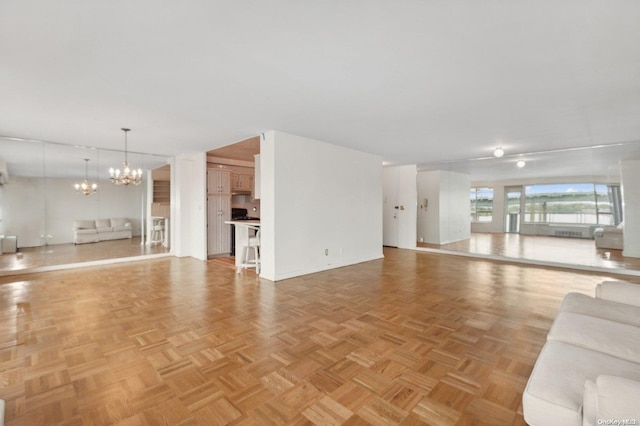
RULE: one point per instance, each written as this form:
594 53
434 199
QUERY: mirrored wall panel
58 205
565 206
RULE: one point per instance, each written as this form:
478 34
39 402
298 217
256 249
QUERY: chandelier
128 175
85 187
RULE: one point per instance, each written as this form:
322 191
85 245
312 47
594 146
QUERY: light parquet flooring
416 338
61 254
573 251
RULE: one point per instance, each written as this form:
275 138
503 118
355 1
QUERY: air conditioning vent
574 234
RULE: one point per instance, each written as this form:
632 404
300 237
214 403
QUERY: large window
481 205
578 203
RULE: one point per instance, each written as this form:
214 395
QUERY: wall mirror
545 211
39 205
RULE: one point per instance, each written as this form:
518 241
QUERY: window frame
473 203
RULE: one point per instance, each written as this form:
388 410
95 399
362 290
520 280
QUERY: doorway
512 209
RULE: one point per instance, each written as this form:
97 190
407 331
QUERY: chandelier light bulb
498 152
84 187
128 175
521 163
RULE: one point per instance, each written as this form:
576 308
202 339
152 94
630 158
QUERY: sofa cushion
86 231
556 386
614 311
105 229
598 334
103 223
84 224
610 397
120 222
619 291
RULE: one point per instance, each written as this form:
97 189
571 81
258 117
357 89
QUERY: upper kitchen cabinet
242 182
218 182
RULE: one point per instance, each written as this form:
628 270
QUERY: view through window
481 204
573 203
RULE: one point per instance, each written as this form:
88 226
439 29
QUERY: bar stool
253 243
157 230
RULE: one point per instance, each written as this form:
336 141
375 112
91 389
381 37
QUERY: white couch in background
93 231
610 237
588 372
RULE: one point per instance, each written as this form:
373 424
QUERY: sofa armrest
612 230
611 398
619 291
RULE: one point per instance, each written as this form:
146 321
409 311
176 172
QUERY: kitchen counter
243 222
242 237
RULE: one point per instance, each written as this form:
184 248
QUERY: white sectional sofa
588 372
93 231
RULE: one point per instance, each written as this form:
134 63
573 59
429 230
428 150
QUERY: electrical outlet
326 252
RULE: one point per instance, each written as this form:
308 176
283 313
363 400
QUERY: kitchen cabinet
218 232
218 181
241 182
218 211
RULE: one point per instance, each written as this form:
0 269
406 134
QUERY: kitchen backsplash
245 202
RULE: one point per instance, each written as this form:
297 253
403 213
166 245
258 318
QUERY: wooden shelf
162 191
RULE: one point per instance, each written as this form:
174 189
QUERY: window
571 203
481 205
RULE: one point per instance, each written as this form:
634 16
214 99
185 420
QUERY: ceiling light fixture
129 175
86 188
498 152
521 163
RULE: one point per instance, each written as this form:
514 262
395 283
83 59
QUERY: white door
390 210
399 210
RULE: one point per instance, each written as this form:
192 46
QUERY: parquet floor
575 251
60 254
416 338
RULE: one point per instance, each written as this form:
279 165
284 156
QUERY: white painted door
400 204
390 222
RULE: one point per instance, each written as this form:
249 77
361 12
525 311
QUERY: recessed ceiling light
521 163
498 152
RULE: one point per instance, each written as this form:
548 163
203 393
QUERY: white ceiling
600 164
414 81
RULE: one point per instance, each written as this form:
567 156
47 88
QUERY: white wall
429 215
23 210
317 198
59 205
189 212
455 208
630 173
446 218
